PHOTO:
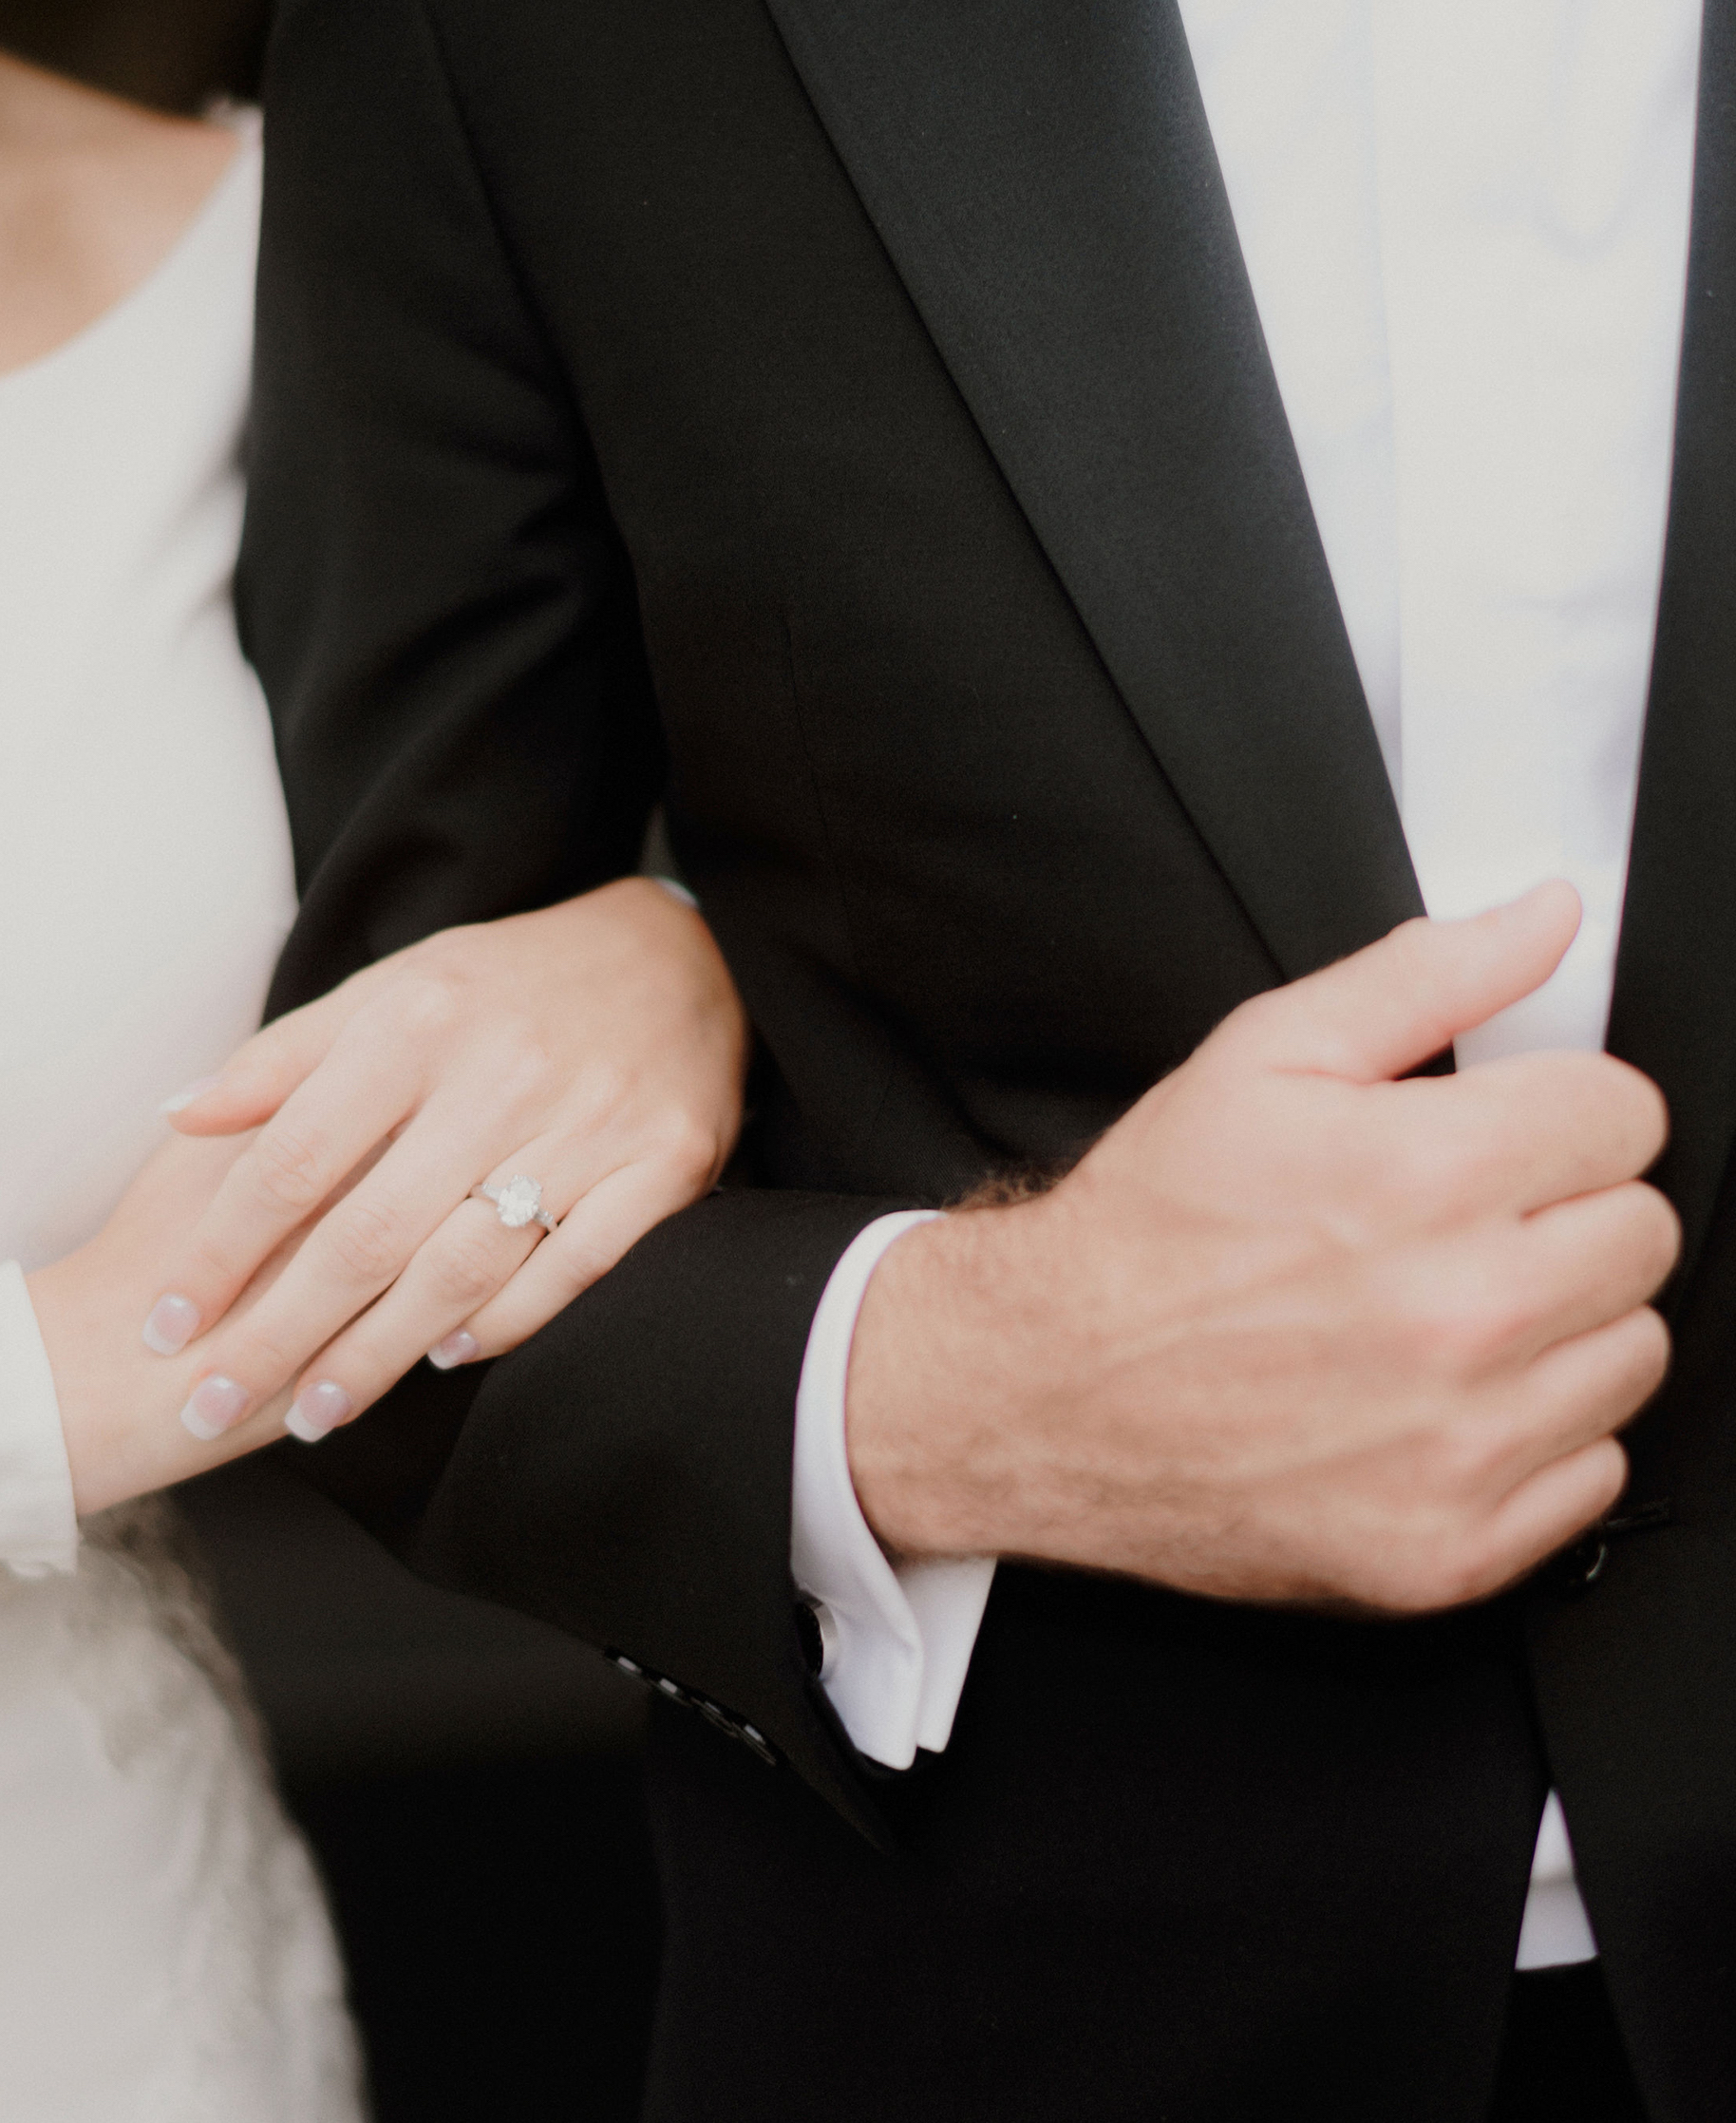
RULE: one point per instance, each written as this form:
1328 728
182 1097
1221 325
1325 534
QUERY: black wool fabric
850 422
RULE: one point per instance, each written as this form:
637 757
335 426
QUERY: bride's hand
118 1402
596 1048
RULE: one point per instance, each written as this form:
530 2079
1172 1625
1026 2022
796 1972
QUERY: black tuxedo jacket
850 418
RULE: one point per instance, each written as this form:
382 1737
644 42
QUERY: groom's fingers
1385 1009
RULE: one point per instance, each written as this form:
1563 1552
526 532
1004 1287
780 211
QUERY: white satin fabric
166 1956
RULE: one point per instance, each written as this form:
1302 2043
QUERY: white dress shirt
1465 225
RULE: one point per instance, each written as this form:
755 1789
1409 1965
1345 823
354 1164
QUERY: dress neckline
210 213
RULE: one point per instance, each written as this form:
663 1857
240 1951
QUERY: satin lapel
1674 1007
1043 176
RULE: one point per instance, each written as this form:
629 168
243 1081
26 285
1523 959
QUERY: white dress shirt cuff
898 1639
38 1520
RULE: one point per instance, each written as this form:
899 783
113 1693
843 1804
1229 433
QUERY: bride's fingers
461 1267
260 1075
605 1223
462 1287
323 1131
359 1249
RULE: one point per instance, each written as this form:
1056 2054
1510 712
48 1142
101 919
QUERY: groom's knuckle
1461 1564
1655 1231
1466 1459
1434 1572
1628 1105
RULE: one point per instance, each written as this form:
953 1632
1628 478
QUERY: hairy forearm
1299 1327
944 1342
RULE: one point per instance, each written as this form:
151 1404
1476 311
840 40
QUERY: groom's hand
1295 1330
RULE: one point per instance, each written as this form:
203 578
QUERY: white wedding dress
165 1955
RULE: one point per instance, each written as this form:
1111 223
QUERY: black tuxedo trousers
848 420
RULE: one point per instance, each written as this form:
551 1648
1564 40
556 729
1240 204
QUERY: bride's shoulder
94 193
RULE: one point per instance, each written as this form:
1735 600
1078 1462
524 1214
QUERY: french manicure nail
182 1099
217 1404
173 1323
458 1347
317 1411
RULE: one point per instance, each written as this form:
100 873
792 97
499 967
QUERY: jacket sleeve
444 617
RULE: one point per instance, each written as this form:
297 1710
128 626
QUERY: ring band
517 1204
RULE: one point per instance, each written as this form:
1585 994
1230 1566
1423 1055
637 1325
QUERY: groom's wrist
939 1370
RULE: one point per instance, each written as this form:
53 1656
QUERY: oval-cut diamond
518 1202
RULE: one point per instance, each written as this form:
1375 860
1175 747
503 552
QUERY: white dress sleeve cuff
897 1640
38 1520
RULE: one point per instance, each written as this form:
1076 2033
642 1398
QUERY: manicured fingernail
458 1348
317 1411
182 1099
173 1323
217 1404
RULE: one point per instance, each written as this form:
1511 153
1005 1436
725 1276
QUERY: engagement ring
517 1204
